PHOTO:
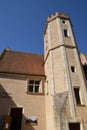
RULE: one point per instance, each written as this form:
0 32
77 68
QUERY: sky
22 23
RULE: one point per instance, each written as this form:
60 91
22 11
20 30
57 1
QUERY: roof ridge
24 52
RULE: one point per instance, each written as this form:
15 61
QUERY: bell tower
64 73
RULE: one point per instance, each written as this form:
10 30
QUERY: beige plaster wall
34 105
58 70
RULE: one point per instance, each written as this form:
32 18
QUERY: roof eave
22 74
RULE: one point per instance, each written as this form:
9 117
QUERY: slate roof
21 63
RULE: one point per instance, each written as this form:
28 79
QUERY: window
73 69
63 21
77 96
74 126
33 86
85 70
66 33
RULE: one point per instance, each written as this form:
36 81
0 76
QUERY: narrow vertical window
77 96
66 33
85 70
37 84
73 69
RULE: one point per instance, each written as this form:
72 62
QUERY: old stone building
45 92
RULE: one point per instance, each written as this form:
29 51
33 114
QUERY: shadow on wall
11 116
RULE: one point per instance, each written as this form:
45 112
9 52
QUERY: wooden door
16 115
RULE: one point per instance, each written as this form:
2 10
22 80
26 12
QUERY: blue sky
22 22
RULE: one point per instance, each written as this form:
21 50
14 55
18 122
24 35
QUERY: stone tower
66 94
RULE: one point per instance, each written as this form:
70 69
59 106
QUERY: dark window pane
85 70
36 88
74 126
30 88
73 68
63 21
77 96
31 82
37 82
65 33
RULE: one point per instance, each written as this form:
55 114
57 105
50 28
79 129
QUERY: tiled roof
21 63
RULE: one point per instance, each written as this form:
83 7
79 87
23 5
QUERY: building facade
45 92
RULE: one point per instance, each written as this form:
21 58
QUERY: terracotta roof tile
21 63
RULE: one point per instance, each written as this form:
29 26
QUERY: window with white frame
34 86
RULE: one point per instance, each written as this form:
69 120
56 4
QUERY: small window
33 86
74 126
73 69
85 70
77 96
30 88
63 21
66 33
